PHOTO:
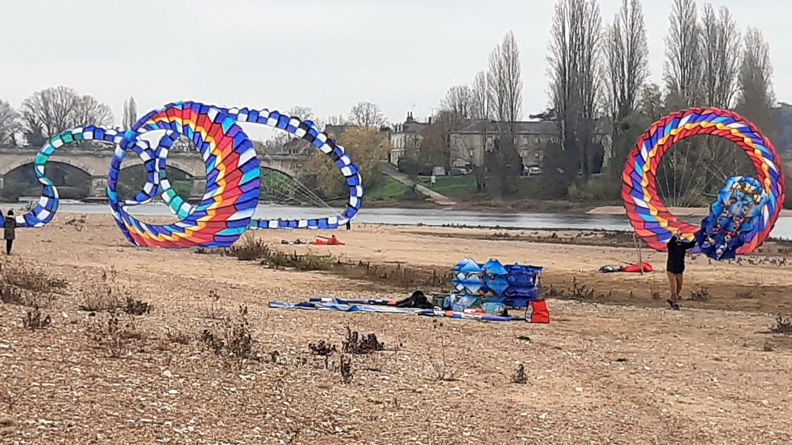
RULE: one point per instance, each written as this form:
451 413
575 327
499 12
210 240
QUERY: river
429 217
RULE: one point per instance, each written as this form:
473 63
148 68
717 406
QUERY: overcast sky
323 54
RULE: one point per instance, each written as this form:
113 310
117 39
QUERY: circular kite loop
648 215
233 175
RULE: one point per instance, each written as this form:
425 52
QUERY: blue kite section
513 285
734 218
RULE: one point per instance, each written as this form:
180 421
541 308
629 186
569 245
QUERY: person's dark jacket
676 254
9 228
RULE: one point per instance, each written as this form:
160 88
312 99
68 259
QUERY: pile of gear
492 288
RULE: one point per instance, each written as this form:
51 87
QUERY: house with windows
405 137
531 138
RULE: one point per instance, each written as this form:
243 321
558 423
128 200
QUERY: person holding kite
677 246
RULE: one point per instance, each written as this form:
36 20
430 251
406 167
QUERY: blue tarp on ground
513 285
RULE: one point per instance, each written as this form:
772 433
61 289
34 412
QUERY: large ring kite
233 175
648 215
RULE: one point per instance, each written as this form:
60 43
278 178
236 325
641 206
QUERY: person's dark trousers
9 244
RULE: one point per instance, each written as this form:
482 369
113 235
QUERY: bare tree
302 113
626 56
720 56
575 77
366 114
504 82
89 111
130 113
460 101
49 112
755 79
335 120
480 97
481 110
682 68
9 123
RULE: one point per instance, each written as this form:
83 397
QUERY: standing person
677 246
9 231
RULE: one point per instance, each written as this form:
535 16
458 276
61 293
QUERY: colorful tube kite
233 175
649 216
732 218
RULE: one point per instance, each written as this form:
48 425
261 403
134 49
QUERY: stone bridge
96 164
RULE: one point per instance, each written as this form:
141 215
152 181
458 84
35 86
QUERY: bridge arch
7 168
72 181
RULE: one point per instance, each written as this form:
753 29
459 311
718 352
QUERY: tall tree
627 59
755 97
481 110
460 101
720 56
682 68
575 78
130 113
504 82
366 114
9 123
480 97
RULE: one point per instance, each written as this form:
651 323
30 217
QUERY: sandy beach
613 367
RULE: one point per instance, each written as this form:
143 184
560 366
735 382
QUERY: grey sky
325 54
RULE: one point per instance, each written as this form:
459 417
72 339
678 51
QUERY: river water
429 217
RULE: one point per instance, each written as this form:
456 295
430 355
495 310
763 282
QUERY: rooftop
543 127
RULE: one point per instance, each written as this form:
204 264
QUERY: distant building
406 136
468 145
531 138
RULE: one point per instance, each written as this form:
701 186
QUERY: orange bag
537 312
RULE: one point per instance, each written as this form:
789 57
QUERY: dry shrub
519 376
782 326
116 334
357 344
701 294
306 262
440 364
346 370
178 337
578 291
27 285
323 349
236 340
249 248
394 275
214 309
137 307
33 320
108 295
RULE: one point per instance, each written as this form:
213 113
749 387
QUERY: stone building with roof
405 137
532 140
468 145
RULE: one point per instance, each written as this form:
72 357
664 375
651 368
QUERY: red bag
637 268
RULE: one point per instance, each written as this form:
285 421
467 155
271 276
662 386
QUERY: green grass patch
387 188
453 185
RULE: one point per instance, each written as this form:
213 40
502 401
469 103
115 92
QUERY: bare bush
35 320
